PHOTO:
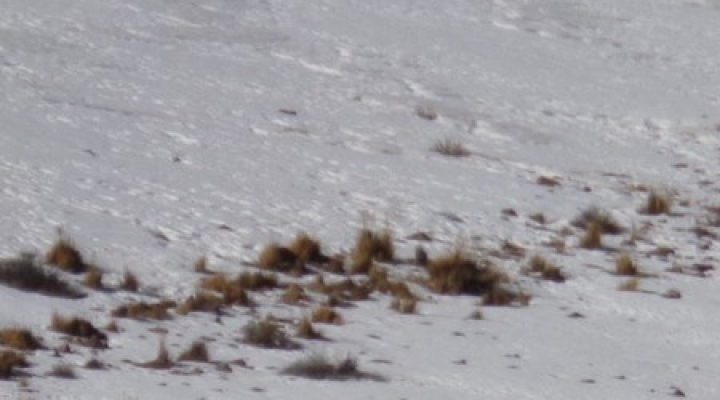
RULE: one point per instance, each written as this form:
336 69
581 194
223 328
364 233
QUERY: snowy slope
153 132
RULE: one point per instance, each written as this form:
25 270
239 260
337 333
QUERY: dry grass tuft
294 295
456 273
626 266
24 273
197 352
145 311
544 269
231 291
327 315
162 360
318 367
130 282
592 239
307 249
657 203
64 371
268 334
201 265
451 148
255 281
278 258
64 255
19 339
306 330
93 278
95 364
345 290
421 256
9 361
380 281
371 246
594 215
80 329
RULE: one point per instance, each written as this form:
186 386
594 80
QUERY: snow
153 132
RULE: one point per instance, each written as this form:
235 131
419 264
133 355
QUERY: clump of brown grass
278 258
544 269
306 330
456 273
130 282
145 311
602 218
201 302
421 256
93 278
64 255
451 148
231 291
9 361
307 249
24 273
79 328
320 368
657 203
196 352
592 239
626 266
294 294
19 339
162 360
255 281
268 334
327 315
371 246
381 281
95 364
201 265
345 290
630 285
404 305
62 370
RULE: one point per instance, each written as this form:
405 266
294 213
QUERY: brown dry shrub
130 282
657 203
9 360
64 255
371 246
196 352
201 265
594 215
456 273
145 311
307 249
19 339
232 292
592 239
79 328
93 278
255 281
501 296
421 256
161 361
327 315
268 334
24 273
544 269
306 330
62 370
294 294
381 281
278 258
345 290
626 266
318 367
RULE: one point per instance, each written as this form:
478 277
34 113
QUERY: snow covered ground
153 132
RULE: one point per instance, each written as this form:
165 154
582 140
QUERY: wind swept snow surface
152 132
